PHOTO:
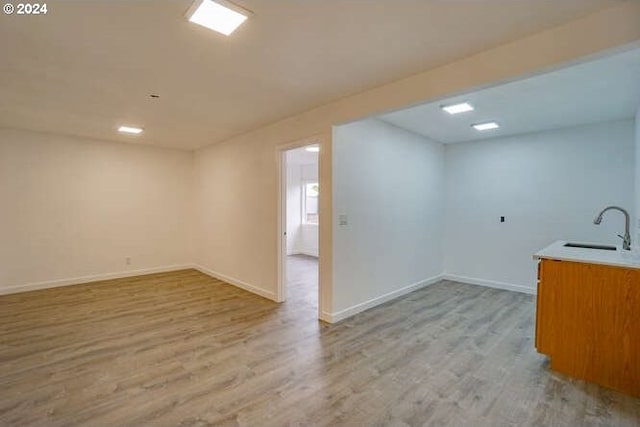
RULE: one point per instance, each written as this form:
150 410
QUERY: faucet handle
626 241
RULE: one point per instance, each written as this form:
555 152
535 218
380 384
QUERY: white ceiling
602 90
300 156
88 66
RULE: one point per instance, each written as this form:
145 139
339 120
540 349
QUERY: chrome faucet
626 239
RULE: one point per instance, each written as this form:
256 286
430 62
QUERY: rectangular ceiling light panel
458 108
486 126
220 15
130 130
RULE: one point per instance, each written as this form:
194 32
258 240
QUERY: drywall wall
308 238
294 208
549 186
237 249
310 172
302 169
302 238
236 214
308 243
388 184
73 209
254 152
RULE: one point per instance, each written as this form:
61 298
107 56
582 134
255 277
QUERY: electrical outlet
343 220
127 260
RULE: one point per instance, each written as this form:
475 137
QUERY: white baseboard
88 279
490 284
358 308
237 282
132 273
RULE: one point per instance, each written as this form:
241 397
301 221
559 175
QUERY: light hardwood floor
181 349
302 283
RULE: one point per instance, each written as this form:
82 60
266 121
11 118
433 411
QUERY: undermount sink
590 246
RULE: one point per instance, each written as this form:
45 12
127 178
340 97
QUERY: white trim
358 308
281 227
281 170
305 252
237 283
310 253
326 317
88 279
491 284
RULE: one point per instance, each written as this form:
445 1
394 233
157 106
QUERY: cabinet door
549 272
596 336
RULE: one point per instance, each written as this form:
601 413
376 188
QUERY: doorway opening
299 227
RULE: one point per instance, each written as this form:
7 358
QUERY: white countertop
617 258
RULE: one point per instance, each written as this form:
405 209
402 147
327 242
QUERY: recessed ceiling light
130 129
220 15
458 108
313 148
485 126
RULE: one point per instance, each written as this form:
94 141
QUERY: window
310 203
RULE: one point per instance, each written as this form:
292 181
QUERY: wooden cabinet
588 322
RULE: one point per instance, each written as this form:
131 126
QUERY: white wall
390 184
294 208
307 243
302 238
236 181
549 186
243 245
236 215
73 208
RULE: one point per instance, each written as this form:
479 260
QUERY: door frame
281 164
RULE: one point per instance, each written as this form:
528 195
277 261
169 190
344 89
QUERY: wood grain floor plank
183 349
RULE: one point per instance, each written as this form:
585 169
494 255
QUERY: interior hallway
184 349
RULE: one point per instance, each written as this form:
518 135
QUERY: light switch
343 220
